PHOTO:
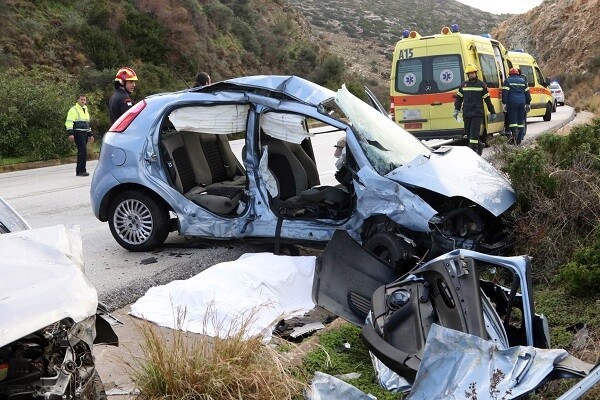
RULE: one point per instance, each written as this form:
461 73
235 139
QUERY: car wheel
548 115
554 105
392 249
138 222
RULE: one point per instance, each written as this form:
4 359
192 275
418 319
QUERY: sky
503 6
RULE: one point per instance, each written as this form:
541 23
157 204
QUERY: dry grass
200 367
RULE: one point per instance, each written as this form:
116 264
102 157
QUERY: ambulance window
541 81
527 72
446 72
409 75
489 70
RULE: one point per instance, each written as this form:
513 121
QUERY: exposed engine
52 363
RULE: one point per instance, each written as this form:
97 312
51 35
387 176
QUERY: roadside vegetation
200 367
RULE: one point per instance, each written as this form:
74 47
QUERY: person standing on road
202 79
516 101
79 131
471 95
120 101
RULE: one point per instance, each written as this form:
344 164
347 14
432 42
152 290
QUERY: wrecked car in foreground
168 165
459 303
49 317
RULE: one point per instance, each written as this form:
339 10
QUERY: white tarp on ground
259 288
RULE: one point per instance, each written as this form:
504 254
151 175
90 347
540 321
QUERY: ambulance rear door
425 79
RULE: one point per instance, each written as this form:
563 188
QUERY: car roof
289 86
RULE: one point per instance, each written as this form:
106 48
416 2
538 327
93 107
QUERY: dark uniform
515 94
471 95
118 104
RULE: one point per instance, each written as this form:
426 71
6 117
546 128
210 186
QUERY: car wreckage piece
487 296
49 318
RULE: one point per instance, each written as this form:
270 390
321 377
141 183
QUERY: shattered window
219 120
386 145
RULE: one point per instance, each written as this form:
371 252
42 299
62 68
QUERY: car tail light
126 119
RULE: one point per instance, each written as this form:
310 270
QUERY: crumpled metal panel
327 387
42 281
300 89
465 174
455 364
377 195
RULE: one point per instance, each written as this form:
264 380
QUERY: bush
32 124
558 191
581 276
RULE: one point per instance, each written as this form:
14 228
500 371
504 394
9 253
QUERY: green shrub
558 190
33 124
581 276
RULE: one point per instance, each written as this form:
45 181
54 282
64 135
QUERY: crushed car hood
42 281
459 172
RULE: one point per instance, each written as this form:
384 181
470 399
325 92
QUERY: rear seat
205 170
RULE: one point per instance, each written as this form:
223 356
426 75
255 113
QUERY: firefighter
120 101
516 101
471 95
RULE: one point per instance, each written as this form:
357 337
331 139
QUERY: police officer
79 131
516 101
471 95
120 101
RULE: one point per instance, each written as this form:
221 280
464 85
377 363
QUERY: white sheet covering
261 288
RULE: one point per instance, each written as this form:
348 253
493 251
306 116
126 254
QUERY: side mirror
547 82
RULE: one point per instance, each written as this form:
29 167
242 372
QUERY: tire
548 115
554 105
393 250
138 222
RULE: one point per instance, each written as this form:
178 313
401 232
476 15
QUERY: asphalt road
54 195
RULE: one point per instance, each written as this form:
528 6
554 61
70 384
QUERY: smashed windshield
386 145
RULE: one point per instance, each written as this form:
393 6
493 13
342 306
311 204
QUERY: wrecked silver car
461 292
168 165
49 316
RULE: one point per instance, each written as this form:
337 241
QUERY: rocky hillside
563 36
364 33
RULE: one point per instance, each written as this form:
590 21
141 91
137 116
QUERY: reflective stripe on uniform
472 88
473 141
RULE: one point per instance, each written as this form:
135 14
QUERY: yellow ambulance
427 72
542 102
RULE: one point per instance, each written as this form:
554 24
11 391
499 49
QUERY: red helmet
126 74
514 71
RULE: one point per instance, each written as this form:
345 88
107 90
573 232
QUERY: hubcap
133 221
